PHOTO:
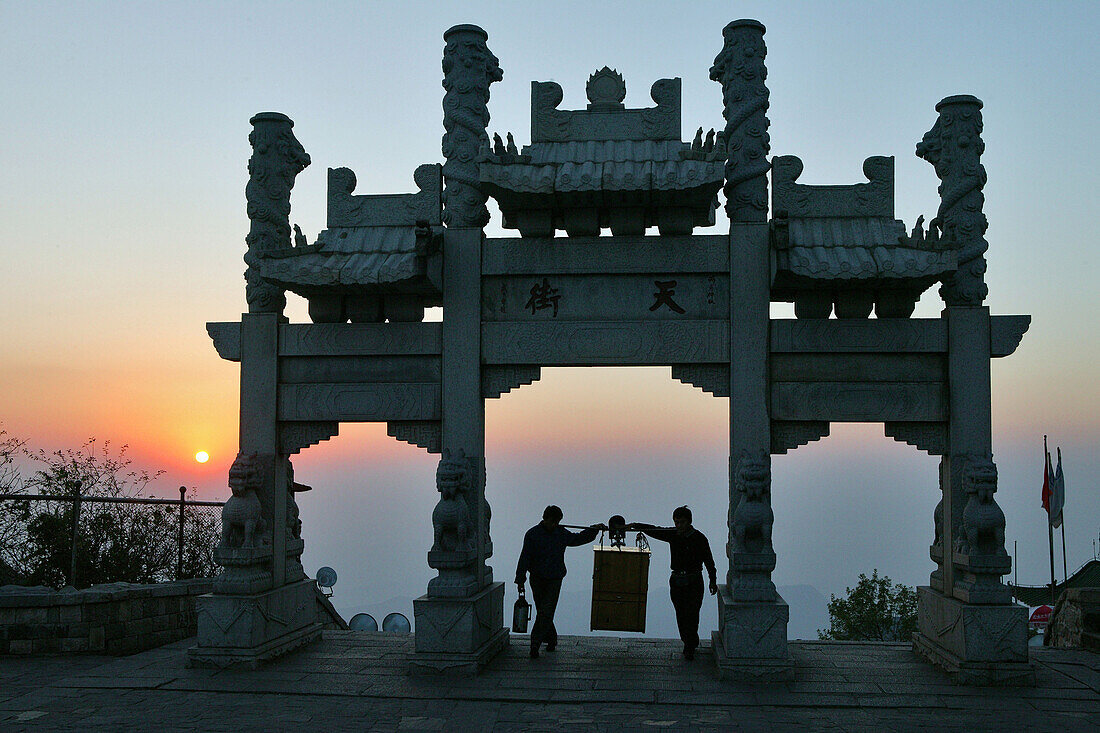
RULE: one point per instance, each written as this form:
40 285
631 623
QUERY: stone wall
113 618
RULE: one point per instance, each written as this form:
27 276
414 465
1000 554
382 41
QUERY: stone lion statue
752 519
451 516
242 515
983 521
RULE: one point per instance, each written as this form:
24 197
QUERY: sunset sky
122 174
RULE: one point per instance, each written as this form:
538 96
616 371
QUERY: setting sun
202 456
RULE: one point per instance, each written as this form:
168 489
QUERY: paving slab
359 681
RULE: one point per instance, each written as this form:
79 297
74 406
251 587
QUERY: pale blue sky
121 191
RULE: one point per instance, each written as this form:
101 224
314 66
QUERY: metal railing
143 522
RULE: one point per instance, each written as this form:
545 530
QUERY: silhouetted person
690 552
543 555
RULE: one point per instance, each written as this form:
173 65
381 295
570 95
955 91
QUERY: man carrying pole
690 553
543 555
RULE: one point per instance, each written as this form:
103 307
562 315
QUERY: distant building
1086 576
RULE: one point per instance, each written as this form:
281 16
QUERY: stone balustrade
112 618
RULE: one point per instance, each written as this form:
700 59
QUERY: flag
1048 476
1057 494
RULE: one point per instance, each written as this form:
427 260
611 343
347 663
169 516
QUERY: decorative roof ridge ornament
606 90
606 118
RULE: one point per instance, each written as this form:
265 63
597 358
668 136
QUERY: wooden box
620 582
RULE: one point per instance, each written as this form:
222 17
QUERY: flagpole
1062 518
1050 527
1015 571
1064 576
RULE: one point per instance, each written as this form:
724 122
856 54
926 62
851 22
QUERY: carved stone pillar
262 605
751 640
277 158
966 621
460 621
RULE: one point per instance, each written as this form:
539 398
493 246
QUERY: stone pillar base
975 645
252 629
750 644
458 635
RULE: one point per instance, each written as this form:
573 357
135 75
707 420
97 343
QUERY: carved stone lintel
954 147
496 380
740 68
605 343
402 209
469 67
788 435
349 402
294 436
427 434
277 158
927 436
712 378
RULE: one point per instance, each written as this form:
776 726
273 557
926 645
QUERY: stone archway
697 303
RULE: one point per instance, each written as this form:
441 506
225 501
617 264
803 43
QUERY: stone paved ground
359 681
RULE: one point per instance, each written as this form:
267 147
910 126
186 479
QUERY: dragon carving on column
277 158
740 69
954 148
469 67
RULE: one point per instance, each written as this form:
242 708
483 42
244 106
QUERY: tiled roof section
857 249
1087 576
847 232
630 175
600 151
349 257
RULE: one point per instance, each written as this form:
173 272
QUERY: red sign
1040 617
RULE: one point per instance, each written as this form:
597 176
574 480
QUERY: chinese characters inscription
543 296
663 296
